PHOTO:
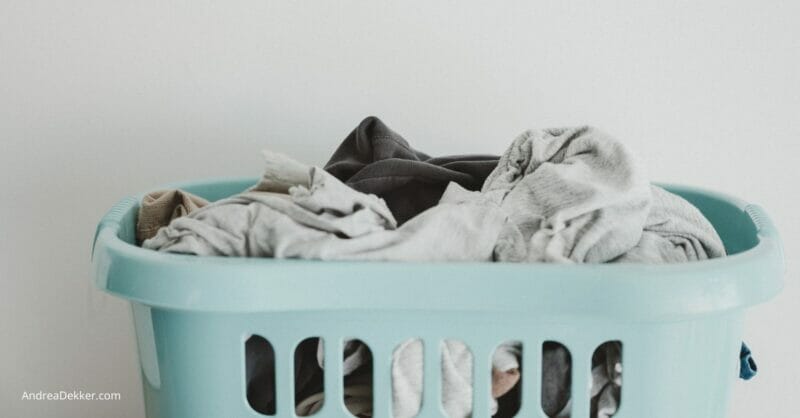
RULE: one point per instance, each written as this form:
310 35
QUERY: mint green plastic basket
680 325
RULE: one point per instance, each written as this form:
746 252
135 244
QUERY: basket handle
766 230
113 218
762 221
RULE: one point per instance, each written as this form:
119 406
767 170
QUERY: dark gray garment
375 159
556 378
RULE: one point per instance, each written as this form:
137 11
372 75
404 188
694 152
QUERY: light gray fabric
270 224
407 369
675 231
463 227
281 173
574 194
328 220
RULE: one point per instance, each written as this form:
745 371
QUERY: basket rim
617 290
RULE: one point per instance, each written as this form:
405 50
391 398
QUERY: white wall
100 99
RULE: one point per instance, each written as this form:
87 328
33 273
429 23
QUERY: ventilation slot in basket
260 374
556 379
357 377
607 379
407 384
456 363
309 377
507 379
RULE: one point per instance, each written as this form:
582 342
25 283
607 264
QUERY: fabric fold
321 218
159 208
575 194
375 159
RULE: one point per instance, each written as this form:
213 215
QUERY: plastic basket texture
680 325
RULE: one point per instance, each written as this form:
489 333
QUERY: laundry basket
680 325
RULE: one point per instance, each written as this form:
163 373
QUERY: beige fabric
159 208
503 381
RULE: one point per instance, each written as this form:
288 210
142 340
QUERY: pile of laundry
567 195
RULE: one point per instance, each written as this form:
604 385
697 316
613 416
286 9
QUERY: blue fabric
747 366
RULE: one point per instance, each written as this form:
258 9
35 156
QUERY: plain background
102 99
